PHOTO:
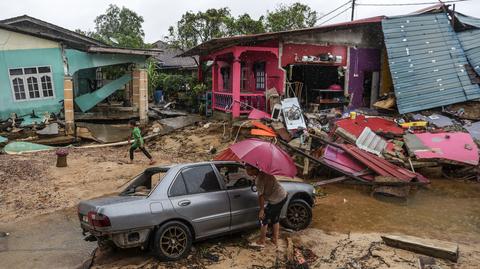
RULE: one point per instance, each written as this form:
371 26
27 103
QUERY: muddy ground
38 208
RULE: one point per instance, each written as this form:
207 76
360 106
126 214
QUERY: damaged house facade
320 66
48 69
427 59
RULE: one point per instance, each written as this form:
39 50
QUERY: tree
245 25
295 16
120 27
196 28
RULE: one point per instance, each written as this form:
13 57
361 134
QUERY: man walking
137 142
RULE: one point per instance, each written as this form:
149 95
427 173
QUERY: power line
334 10
343 11
411 4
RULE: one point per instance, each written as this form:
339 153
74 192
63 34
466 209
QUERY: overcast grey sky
160 14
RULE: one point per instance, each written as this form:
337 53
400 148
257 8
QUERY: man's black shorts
273 211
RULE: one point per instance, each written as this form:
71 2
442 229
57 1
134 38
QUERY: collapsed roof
429 61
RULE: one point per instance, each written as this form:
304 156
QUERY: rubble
375 150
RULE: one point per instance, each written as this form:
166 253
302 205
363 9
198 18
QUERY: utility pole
353 9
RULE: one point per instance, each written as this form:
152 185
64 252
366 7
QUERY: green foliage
295 16
244 25
120 27
196 28
154 79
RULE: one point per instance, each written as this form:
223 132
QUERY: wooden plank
290 249
329 181
438 249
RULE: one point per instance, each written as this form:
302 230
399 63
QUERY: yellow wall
386 84
16 41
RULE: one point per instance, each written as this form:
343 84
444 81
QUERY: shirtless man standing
270 191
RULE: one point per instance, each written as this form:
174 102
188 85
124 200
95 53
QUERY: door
243 201
196 194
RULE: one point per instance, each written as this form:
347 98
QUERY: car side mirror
253 188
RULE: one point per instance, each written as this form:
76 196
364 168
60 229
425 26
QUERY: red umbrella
265 156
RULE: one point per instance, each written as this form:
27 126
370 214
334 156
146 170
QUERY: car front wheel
173 241
299 215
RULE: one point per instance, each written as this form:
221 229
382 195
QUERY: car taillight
98 220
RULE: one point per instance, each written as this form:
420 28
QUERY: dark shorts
273 211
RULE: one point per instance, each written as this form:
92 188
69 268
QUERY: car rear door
243 200
197 195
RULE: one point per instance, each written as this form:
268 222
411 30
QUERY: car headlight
314 191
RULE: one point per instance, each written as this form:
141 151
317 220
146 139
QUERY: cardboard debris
388 103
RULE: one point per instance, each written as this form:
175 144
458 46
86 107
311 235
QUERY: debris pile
33 127
386 152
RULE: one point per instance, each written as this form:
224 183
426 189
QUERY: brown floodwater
446 210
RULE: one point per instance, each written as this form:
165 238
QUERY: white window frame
24 78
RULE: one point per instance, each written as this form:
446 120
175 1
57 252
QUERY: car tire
298 216
172 241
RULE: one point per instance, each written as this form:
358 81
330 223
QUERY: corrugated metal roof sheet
472 21
371 142
426 62
224 42
471 45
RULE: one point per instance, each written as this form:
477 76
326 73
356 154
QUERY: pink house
312 59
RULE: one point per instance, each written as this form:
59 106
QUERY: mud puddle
447 210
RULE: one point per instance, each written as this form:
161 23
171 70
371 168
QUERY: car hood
94 204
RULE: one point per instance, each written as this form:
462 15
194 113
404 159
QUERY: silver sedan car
166 209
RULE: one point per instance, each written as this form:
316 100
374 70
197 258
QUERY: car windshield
144 183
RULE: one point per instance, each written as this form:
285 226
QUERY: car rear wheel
299 215
173 241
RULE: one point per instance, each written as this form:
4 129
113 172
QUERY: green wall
30 58
80 60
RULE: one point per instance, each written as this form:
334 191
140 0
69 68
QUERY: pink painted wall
289 51
273 74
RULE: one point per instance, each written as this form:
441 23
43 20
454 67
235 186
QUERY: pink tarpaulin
458 147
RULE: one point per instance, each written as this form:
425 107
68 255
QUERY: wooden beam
438 249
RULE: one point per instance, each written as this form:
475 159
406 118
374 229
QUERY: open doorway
371 81
321 85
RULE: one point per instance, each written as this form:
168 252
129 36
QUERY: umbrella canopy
265 156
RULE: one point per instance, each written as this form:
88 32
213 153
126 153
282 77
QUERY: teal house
45 68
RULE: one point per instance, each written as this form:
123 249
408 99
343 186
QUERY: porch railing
224 101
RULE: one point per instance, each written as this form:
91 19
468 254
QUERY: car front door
243 200
197 195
